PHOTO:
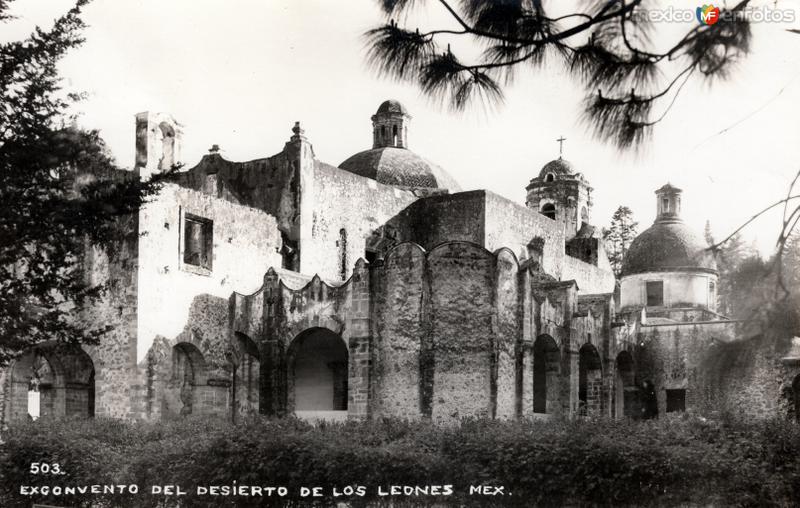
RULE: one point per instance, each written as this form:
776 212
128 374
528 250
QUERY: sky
239 73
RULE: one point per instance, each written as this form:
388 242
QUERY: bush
669 462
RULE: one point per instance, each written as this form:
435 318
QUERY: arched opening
246 379
626 394
52 380
550 177
394 135
590 382
167 158
183 390
318 375
549 210
546 369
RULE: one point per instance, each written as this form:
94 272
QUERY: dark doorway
626 393
590 382
318 371
546 367
676 401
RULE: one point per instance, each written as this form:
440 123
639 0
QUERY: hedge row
659 463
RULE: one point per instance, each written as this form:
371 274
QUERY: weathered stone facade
285 285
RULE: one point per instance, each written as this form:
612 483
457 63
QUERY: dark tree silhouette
607 47
618 237
60 191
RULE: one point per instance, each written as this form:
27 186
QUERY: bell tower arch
159 139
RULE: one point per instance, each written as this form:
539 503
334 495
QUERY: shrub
669 462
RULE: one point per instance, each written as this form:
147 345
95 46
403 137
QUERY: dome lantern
390 125
668 204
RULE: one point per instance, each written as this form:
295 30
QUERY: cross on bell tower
561 146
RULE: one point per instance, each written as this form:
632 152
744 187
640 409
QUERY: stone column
272 351
360 344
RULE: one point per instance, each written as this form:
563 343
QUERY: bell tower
561 194
158 143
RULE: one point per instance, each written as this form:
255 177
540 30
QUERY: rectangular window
676 401
655 293
198 241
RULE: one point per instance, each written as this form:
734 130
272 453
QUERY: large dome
399 167
668 247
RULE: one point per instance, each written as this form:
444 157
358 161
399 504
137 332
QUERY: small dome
399 167
667 247
557 167
391 107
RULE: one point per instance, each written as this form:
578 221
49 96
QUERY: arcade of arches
59 380
551 383
55 381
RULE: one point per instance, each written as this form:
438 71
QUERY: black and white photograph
399 253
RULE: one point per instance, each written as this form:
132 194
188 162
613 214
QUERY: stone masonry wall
268 184
507 327
434 220
245 244
462 313
118 391
511 225
402 331
682 357
180 303
590 278
344 201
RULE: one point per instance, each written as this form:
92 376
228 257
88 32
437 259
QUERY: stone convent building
289 286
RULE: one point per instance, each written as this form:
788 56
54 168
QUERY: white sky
240 73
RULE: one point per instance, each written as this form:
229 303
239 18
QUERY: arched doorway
182 391
590 382
546 369
318 375
52 380
626 399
